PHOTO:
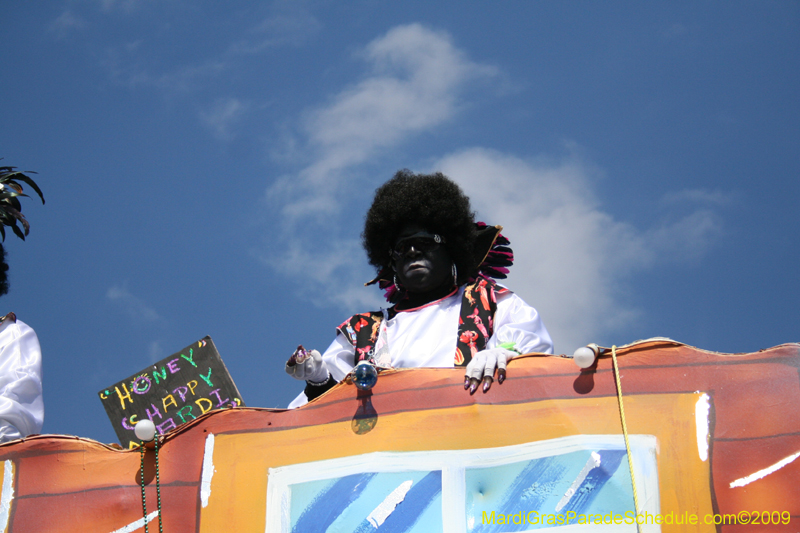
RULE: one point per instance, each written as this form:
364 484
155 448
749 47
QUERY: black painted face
421 264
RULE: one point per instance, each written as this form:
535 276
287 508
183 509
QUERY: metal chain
144 498
158 489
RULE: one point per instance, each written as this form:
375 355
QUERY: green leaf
17 231
29 181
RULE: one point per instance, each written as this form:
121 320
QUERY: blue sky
207 167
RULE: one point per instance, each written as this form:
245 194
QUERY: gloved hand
483 365
307 366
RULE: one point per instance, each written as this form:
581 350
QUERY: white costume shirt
426 336
21 403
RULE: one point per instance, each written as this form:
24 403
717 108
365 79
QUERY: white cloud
688 237
691 216
125 67
155 352
289 24
414 81
65 22
185 78
572 259
134 306
416 74
125 5
698 196
222 116
331 274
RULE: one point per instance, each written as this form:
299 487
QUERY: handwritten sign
173 391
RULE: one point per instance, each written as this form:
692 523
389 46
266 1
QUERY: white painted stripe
275 521
765 472
133 526
379 515
7 495
701 411
591 464
208 470
454 499
286 509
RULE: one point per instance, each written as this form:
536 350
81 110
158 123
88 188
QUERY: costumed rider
21 403
436 266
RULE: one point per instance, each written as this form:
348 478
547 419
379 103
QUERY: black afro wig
432 201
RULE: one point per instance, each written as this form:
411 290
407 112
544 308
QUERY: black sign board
175 390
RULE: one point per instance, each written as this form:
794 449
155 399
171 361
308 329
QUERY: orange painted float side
68 484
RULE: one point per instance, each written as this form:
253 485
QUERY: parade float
656 432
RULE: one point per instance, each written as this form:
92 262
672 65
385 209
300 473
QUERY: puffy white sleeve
21 403
338 358
517 322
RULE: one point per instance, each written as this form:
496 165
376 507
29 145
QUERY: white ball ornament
145 430
584 357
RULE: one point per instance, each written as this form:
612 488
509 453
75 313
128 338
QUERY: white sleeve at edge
339 357
515 321
21 403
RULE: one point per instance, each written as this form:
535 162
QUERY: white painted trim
7 495
741 482
701 412
208 470
133 526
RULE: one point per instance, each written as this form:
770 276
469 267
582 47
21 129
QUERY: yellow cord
625 433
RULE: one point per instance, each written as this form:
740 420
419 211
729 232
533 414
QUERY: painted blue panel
317 503
409 513
540 484
327 503
592 486
514 488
